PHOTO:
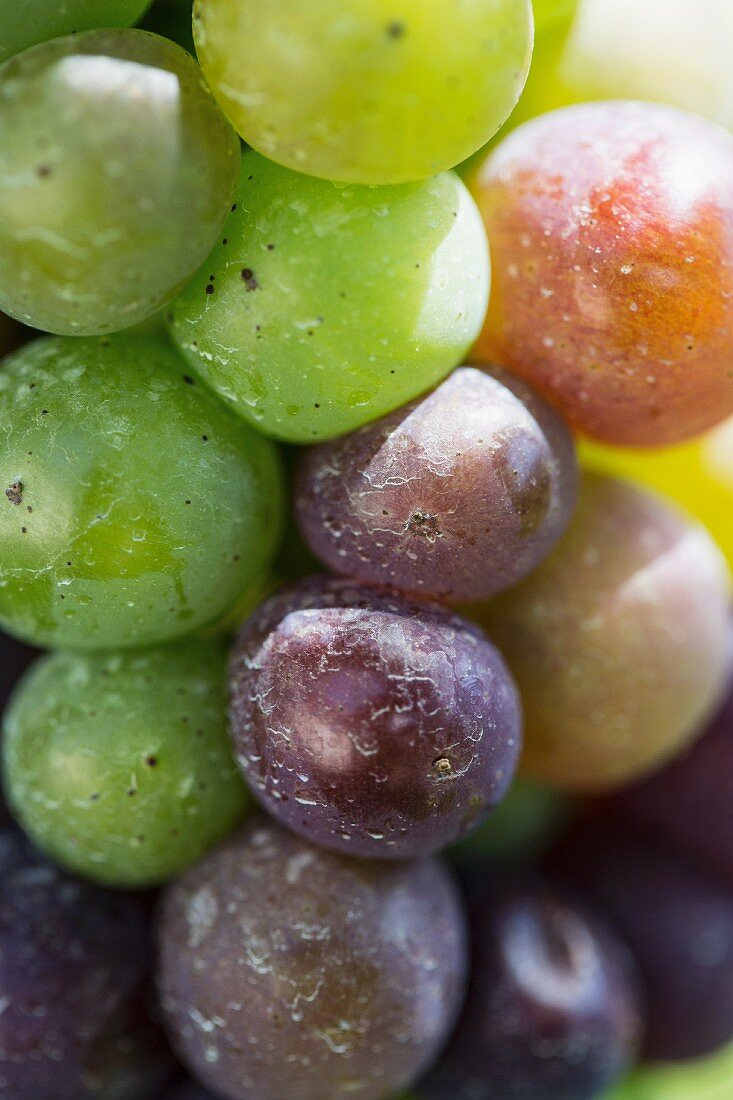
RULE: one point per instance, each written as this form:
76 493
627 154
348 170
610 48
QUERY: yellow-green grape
117 170
709 1078
134 506
119 765
670 51
24 23
698 474
324 306
618 642
365 91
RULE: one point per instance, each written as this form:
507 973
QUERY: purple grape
73 961
678 923
553 1007
289 971
457 496
369 724
690 800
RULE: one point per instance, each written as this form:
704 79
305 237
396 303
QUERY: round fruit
613 267
366 91
127 170
134 507
290 971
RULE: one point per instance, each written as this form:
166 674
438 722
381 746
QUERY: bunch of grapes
366 516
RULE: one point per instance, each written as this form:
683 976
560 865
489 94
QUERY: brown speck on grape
249 279
14 492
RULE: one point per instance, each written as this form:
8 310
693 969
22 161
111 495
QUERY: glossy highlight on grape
368 724
128 171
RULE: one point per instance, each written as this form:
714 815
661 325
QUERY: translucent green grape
366 91
324 306
24 23
134 506
118 765
117 170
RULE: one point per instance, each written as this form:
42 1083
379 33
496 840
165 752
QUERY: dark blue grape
553 1008
73 987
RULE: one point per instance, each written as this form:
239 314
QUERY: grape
24 23
128 170
701 1079
135 507
366 91
553 1007
677 52
119 765
368 724
678 923
613 268
698 474
456 496
72 985
323 307
286 970
524 824
618 641
689 801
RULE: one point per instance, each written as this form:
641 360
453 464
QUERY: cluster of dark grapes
384 736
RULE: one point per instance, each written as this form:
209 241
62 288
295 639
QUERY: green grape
134 507
119 765
365 91
324 306
24 23
117 171
523 825
709 1078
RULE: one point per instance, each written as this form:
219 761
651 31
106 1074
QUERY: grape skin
618 657
613 268
689 801
119 765
368 724
456 496
25 23
287 970
72 984
678 922
323 307
128 169
365 91
553 1007
134 507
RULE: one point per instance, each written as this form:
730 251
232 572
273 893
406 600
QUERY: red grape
611 230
